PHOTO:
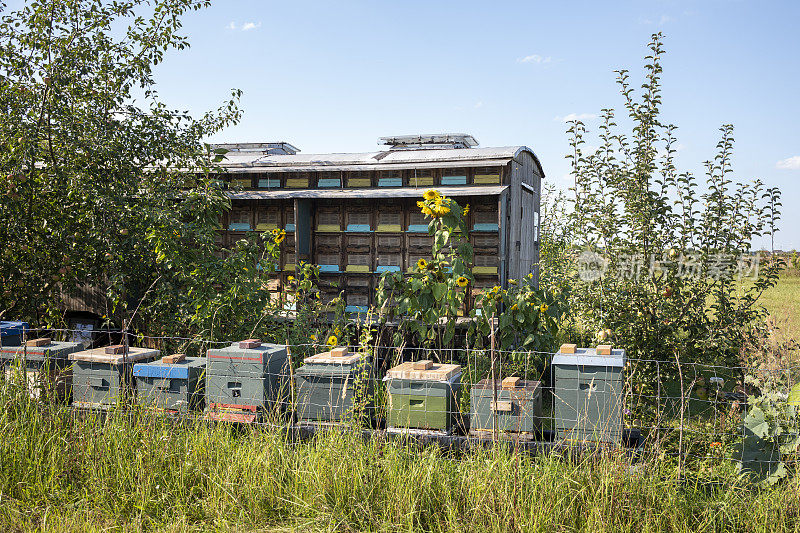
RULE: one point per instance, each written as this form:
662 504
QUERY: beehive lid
99 355
12 327
589 357
436 372
484 387
161 369
238 351
327 358
53 350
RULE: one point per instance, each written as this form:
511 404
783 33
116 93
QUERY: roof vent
277 148
442 141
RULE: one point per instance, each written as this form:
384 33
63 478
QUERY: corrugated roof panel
399 192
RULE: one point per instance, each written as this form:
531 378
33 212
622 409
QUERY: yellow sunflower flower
462 282
465 210
275 231
512 281
290 278
543 308
514 307
332 340
279 238
430 194
421 264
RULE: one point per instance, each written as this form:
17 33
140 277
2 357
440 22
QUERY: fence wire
692 412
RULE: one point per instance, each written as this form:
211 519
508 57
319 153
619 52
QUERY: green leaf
439 290
756 422
794 395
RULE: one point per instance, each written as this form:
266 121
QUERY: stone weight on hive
330 384
103 377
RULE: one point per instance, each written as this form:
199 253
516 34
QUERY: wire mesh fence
691 412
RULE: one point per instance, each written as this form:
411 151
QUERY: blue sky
334 76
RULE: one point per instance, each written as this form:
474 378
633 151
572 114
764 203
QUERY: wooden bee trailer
355 214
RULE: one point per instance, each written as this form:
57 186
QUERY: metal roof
431 140
388 192
244 161
273 148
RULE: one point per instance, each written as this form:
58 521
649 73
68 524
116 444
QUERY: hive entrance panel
485 218
359 179
329 180
487 176
240 219
269 181
390 243
288 215
417 222
454 176
268 218
389 262
329 219
358 262
329 262
359 220
420 243
485 264
486 243
421 178
390 221
390 178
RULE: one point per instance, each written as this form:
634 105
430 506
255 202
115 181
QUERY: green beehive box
247 376
588 395
103 377
422 395
45 365
171 386
329 384
518 408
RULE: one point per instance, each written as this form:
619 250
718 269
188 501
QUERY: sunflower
421 264
430 194
543 308
494 290
512 281
276 231
332 340
465 210
290 278
462 282
279 238
442 210
514 307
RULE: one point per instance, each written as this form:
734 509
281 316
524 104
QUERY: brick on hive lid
511 382
115 349
42 341
174 358
425 364
603 349
568 348
339 351
249 344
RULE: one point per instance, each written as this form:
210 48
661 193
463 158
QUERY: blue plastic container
12 331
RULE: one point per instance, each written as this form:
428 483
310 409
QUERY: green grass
783 303
61 472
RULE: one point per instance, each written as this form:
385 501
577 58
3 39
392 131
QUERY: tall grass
59 471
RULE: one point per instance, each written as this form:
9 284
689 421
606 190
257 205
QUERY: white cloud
247 26
790 163
478 105
575 116
535 58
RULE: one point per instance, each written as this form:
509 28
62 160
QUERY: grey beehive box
588 395
101 379
46 366
328 386
518 409
171 386
252 378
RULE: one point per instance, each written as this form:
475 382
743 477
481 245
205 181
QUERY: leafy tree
93 174
658 257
